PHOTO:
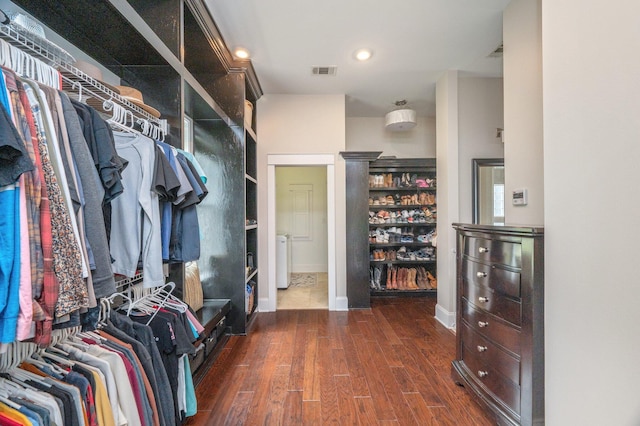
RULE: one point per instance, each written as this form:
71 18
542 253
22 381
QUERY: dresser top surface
529 230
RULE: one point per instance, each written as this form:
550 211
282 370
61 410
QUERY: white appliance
283 261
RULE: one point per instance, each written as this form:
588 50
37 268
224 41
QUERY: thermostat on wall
519 197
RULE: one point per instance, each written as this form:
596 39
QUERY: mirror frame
476 164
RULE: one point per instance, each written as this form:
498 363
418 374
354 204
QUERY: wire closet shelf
75 81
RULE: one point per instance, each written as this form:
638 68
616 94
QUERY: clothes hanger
78 343
10 403
173 301
21 376
57 350
91 335
16 60
12 384
4 360
39 361
152 302
5 54
8 384
59 359
110 300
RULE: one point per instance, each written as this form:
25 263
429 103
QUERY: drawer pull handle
483 324
481 274
482 373
483 299
482 348
483 249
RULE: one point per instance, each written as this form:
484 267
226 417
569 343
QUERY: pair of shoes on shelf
426 199
378 255
382 236
376 181
409 200
375 277
406 279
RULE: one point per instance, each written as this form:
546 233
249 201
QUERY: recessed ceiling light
363 54
241 53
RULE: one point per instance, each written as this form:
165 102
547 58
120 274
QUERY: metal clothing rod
74 80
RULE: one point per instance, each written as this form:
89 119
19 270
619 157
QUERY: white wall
307 255
523 150
591 156
480 112
447 198
369 134
302 124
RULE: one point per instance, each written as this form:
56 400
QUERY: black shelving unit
361 191
172 52
402 206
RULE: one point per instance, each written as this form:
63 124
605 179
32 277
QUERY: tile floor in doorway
307 291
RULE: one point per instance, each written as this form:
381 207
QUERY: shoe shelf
399 244
402 188
397 207
403 262
404 293
402 224
413 277
402 206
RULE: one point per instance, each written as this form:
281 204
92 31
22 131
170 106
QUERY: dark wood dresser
500 320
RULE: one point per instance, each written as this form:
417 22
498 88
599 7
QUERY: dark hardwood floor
386 366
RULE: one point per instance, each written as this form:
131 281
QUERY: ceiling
413 42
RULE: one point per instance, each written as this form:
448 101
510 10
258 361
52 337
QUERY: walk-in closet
129 213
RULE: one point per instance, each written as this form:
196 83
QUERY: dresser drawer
486 352
500 386
491 301
494 251
492 328
500 280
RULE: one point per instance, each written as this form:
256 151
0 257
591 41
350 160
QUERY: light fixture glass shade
400 120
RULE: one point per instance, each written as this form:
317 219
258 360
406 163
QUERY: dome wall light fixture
363 54
241 53
400 119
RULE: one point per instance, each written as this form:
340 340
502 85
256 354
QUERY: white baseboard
342 304
263 305
446 318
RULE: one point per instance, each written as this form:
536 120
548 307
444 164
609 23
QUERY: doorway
325 161
488 191
301 228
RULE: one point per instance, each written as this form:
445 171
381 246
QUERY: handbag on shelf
192 291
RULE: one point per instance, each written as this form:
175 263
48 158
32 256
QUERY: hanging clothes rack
75 81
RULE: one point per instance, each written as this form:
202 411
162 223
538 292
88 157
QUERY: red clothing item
48 296
46 277
6 421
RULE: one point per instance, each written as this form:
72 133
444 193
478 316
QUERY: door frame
327 160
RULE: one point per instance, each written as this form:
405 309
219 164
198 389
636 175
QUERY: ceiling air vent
328 70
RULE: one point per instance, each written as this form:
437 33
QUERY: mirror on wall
488 191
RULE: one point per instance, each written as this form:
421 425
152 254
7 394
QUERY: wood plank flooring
390 365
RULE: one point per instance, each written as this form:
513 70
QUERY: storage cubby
163 16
